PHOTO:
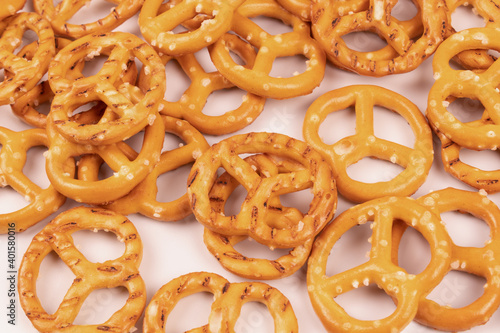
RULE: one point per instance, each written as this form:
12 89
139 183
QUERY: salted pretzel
222 247
190 105
416 160
11 8
484 261
301 8
257 79
70 94
23 74
41 202
119 272
479 85
158 20
59 16
407 289
402 53
251 220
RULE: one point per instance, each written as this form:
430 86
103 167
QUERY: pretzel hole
366 302
105 171
254 317
34 168
466 229
222 101
351 250
364 41
487 160
494 53
98 245
87 13
29 37
203 58
235 201
190 312
379 170
80 110
289 66
414 253
466 109
93 63
136 141
252 249
271 25
300 200
172 184
171 142
338 125
404 10
100 305
177 81
466 17
391 126
458 289
54 280
11 200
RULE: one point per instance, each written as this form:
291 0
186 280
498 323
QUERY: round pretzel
406 289
157 21
23 74
123 271
8 9
257 79
416 161
484 262
480 85
70 94
300 8
251 220
41 202
402 53
190 105
60 15
222 247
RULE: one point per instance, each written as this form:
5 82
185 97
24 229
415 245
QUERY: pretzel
23 74
11 8
402 53
158 20
480 85
190 105
251 220
416 161
60 15
120 272
484 262
41 202
300 8
222 247
70 94
257 79
406 289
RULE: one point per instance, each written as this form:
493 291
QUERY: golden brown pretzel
60 15
41 202
301 8
23 74
222 247
251 220
406 289
10 8
416 161
120 272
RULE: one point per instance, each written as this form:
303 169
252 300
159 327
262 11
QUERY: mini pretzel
402 53
480 85
23 74
416 161
222 247
70 94
406 289
120 272
300 8
257 79
157 21
484 262
41 202
60 15
251 220
11 8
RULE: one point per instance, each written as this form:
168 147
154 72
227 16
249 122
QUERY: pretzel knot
406 289
416 161
251 220
484 261
22 74
479 85
222 247
226 308
330 22
89 276
257 79
130 117
13 156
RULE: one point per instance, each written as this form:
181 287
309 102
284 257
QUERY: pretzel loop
11 8
300 8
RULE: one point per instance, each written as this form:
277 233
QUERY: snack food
11 8
301 8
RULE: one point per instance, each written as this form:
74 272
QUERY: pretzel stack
95 121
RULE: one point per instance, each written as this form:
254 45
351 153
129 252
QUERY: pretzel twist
123 271
481 85
222 247
11 8
23 74
416 161
257 79
406 289
60 15
251 220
